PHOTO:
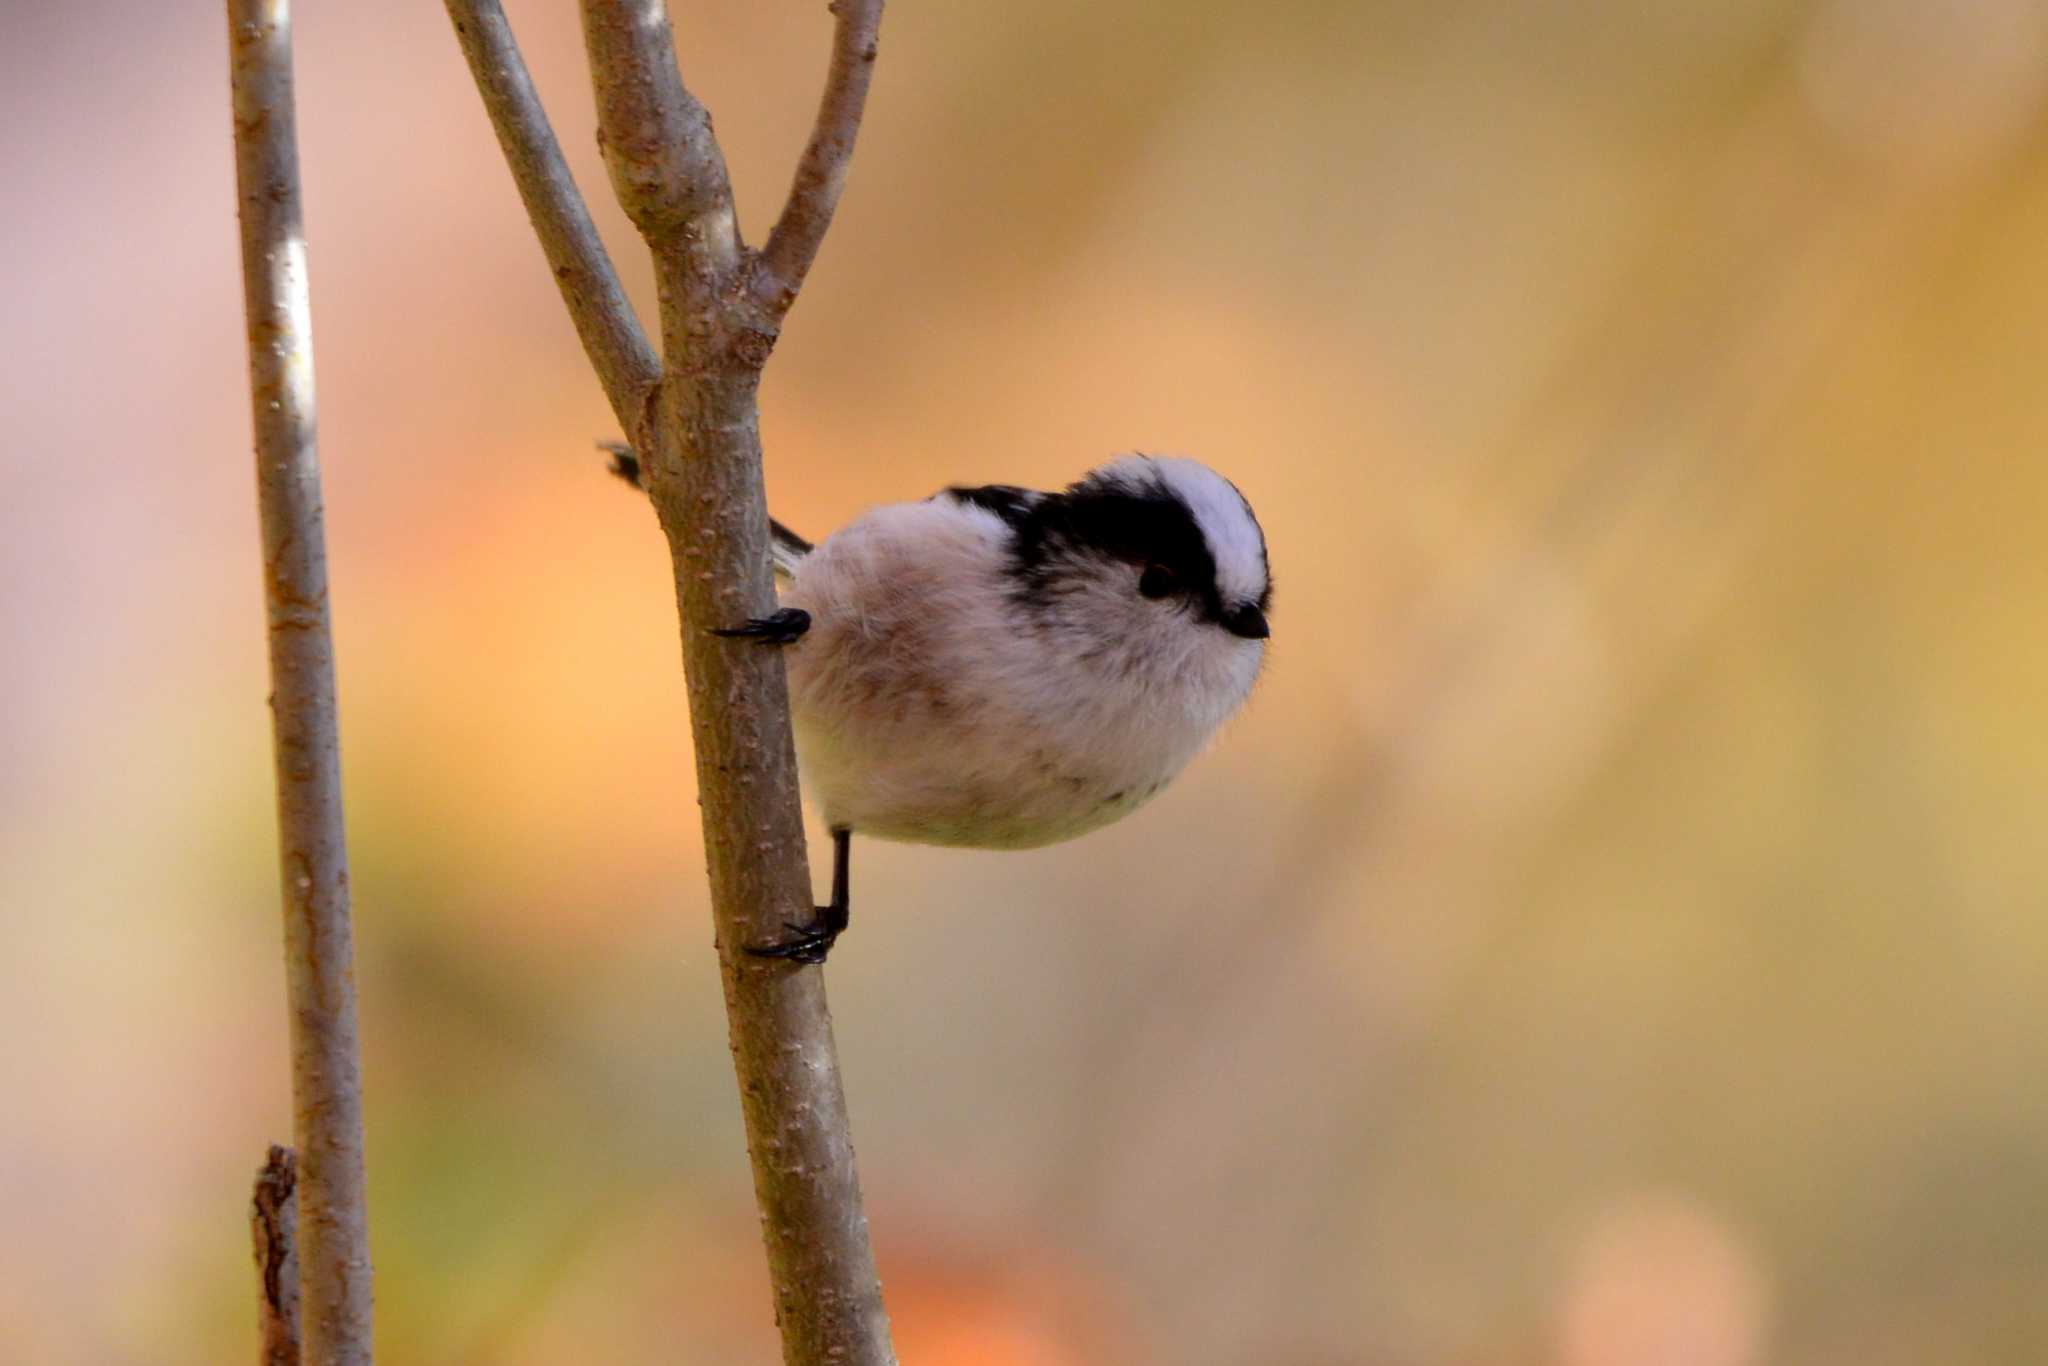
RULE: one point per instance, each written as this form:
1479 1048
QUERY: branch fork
690 412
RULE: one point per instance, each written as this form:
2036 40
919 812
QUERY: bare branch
665 164
612 337
272 1229
700 461
828 1298
334 1259
821 172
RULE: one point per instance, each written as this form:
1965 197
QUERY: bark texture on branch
333 1235
273 1231
821 173
722 308
827 1295
704 475
626 365
666 167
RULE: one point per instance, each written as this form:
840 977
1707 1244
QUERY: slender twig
272 1231
821 171
700 461
619 351
334 1259
705 479
665 163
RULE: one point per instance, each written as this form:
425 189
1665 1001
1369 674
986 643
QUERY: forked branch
699 453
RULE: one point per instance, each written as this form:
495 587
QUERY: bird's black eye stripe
1146 526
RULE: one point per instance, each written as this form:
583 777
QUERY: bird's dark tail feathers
787 549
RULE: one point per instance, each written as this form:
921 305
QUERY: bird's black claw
808 944
785 627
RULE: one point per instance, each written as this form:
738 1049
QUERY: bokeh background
1614 935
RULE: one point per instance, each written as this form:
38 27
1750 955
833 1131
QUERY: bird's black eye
1157 581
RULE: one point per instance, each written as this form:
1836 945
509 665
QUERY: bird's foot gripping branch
690 414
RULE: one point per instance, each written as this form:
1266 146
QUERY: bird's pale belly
983 791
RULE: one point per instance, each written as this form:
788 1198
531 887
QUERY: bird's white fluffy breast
930 707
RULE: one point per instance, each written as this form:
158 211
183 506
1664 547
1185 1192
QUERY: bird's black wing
1006 501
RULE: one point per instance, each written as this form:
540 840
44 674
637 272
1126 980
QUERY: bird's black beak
1247 621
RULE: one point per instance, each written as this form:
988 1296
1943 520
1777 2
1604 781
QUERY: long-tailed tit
1003 668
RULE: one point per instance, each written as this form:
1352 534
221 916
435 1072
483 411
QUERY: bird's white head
1184 490
1180 533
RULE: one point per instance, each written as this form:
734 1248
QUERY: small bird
1003 668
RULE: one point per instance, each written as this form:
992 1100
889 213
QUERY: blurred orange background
1614 935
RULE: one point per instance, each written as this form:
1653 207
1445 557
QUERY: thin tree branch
334 1258
665 164
821 171
821 1267
612 337
701 464
272 1229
